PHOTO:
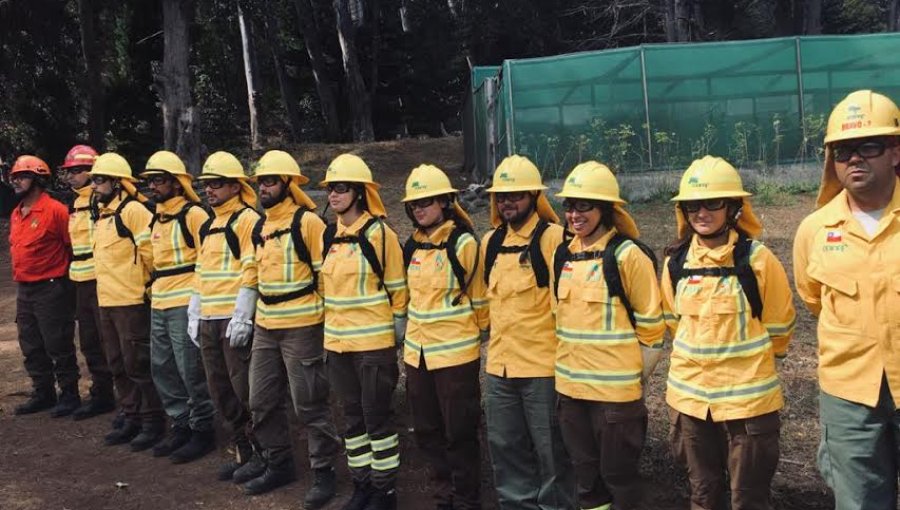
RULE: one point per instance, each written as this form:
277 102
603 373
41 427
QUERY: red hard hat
80 155
31 164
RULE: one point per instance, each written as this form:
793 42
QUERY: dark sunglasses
514 196
158 180
712 204
99 179
215 183
339 187
421 203
866 149
75 170
269 180
581 206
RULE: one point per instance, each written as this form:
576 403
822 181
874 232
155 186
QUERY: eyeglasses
100 180
514 196
581 206
866 149
421 203
339 187
711 204
269 180
158 180
75 170
19 176
215 183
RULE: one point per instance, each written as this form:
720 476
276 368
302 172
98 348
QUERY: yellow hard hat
592 181
165 161
427 181
348 168
279 163
710 177
861 114
112 165
516 173
222 165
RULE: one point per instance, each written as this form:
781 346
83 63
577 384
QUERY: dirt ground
63 465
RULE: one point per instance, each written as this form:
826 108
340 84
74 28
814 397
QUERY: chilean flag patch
567 268
695 279
415 262
833 236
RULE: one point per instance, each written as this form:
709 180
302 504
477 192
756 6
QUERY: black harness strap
531 251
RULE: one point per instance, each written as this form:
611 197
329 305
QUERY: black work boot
68 402
272 478
119 421
362 493
38 401
201 443
178 436
242 454
383 499
322 490
251 469
98 403
125 434
151 433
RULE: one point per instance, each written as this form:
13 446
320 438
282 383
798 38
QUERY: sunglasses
711 204
269 180
339 187
99 179
866 149
421 203
215 183
514 196
158 180
581 206
75 170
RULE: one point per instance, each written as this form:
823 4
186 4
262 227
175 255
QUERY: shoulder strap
456 266
256 236
368 251
493 248
538 264
676 266
181 218
234 244
746 276
121 229
328 239
409 247
300 247
560 257
613 275
204 229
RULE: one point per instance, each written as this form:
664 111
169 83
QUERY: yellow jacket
445 334
599 354
851 283
220 275
123 267
81 231
171 253
281 272
523 329
358 315
723 358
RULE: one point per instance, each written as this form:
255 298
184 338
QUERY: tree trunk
893 24
357 95
288 95
683 20
93 77
812 19
249 73
324 86
670 21
181 125
376 46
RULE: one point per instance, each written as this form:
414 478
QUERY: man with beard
39 246
76 168
288 349
221 310
531 467
176 363
123 258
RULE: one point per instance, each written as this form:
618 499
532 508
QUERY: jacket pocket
840 298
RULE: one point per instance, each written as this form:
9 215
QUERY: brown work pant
87 312
446 409
605 440
125 331
291 359
46 325
228 376
745 450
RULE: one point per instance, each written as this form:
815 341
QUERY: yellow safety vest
81 232
122 265
171 254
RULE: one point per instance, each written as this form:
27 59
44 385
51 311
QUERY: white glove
193 327
240 327
399 330
650 358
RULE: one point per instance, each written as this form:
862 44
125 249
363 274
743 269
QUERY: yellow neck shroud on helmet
169 162
351 168
223 165
430 181
282 164
518 173
594 181
115 166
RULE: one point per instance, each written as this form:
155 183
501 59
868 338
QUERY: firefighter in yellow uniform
123 259
177 365
531 467
610 329
220 313
288 355
447 314
846 260
727 303
365 317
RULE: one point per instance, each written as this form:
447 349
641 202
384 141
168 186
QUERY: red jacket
39 241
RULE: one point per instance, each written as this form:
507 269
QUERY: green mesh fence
759 103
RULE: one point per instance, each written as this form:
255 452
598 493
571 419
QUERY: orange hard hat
31 164
80 155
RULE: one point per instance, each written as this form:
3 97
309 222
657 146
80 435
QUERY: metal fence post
490 90
802 108
646 108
